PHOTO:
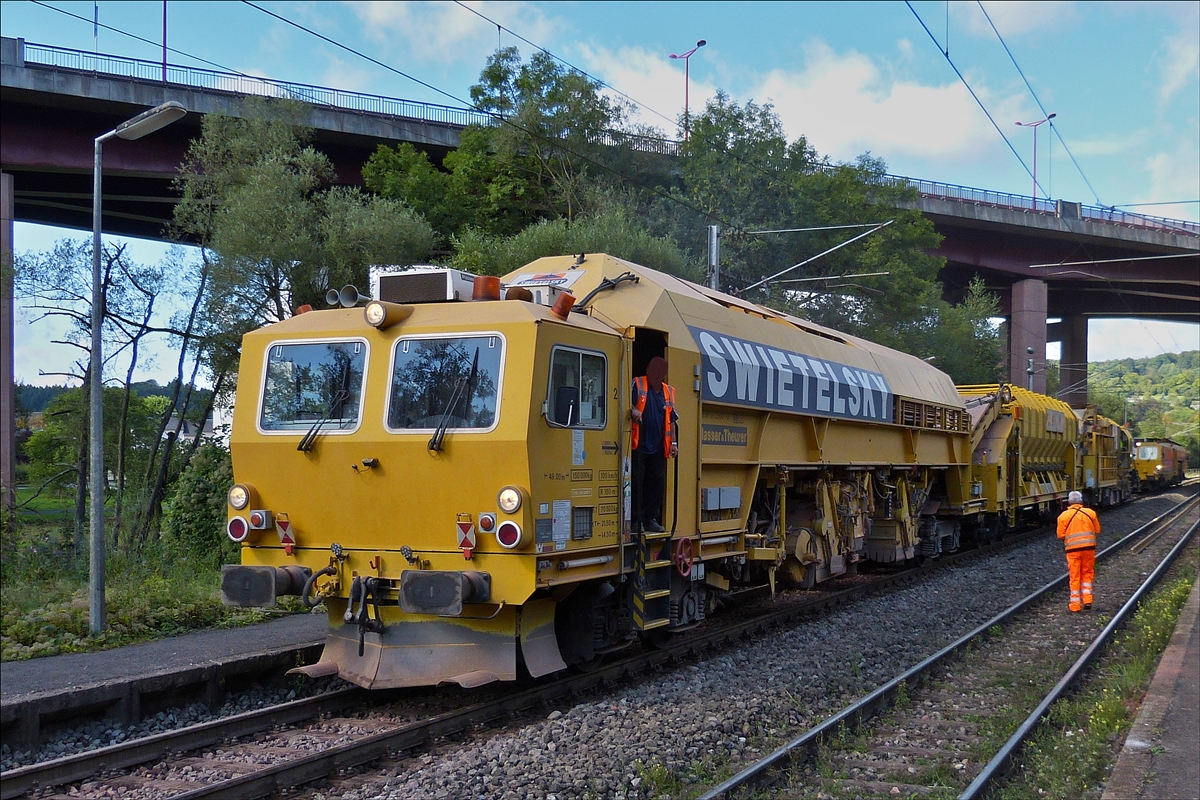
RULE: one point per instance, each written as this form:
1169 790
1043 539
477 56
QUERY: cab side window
576 396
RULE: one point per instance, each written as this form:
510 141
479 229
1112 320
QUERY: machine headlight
382 314
239 496
509 499
375 313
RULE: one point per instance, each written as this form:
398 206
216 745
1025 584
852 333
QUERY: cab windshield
449 380
1148 452
311 381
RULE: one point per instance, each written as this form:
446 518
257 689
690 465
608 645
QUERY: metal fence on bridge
235 83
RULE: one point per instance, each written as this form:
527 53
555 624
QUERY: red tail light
509 534
238 529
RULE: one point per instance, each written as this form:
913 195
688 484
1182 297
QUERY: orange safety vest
1077 527
641 388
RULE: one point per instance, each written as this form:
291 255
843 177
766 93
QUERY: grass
159 593
1074 750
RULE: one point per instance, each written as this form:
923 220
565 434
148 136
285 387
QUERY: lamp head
150 121
701 43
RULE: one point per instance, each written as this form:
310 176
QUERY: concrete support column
8 390
1027 329
1073 373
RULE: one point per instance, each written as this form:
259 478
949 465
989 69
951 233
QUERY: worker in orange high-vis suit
654 441
1078 527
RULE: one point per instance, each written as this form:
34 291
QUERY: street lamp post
1035 126
686 80
141 125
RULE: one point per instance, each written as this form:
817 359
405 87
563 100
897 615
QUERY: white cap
1075 497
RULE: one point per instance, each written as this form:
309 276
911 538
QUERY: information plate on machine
745 373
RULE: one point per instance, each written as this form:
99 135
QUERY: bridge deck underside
1162 283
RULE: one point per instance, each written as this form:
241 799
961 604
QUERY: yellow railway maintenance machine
451 477
1024 453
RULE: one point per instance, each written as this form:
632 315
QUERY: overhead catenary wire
149 41
814 258
514 34
474 107
962 78
1038 101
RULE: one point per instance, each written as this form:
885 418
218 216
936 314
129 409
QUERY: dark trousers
649 483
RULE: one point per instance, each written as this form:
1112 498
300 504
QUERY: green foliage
964 341
54 449
614 233
1159 396
1072 755
46 612
256 196
193 526
554 125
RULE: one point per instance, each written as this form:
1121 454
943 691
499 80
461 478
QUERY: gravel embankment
716 714
683 726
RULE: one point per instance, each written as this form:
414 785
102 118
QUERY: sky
1123 80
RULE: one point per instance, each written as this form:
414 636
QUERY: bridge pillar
1073 373
8 391
1026 329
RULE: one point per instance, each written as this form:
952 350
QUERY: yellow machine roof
666 303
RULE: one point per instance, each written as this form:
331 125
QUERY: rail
65 58
862 710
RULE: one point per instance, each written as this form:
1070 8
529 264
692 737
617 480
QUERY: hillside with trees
1159 396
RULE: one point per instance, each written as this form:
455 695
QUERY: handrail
1107 214
52 56
65 58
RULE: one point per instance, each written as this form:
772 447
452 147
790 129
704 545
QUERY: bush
193 527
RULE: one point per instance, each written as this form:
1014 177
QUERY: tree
613 232
274 234
59 284
553 121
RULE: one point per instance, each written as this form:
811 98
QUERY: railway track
944 711
345 741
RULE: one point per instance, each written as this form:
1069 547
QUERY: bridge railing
968 194
238 83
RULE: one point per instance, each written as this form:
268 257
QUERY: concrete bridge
1044 259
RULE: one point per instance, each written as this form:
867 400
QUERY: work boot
653 527
1087 605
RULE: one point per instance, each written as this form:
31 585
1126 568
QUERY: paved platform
1161 756
128 682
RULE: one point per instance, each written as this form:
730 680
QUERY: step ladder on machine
652 581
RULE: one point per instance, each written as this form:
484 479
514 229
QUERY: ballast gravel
685 727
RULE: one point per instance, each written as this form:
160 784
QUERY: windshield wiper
435 441
308 440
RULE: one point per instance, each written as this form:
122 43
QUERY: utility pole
714 257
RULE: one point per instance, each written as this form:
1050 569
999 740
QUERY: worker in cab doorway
1078 527
655 427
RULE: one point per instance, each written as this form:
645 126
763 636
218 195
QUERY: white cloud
1124 338
650 78
443 32
845 105
1174 175
1012 18
1179 62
